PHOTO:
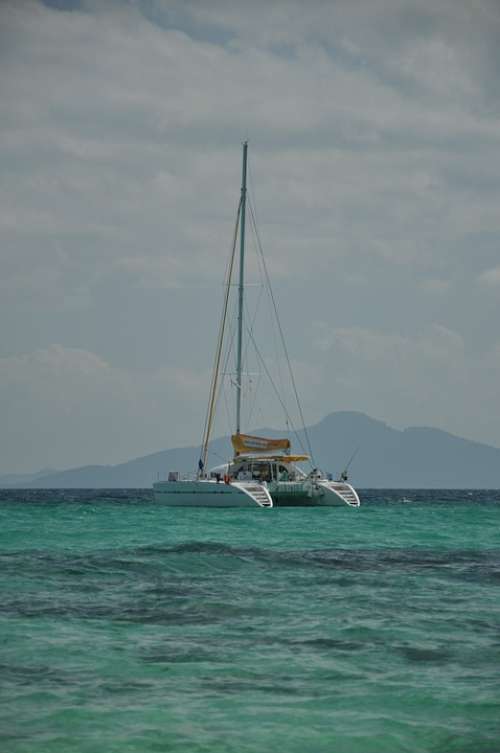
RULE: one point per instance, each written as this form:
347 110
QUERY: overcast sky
374 131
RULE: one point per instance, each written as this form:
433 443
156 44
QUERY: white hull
208 493
319 493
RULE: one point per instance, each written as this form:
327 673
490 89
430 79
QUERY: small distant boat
263 472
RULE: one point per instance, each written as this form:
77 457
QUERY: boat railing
191 476
182 476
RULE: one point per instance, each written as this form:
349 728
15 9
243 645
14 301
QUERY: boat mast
241 286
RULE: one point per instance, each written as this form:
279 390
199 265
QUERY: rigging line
252 192
275 319
226 405
253 319
225 286
247 310
220 342
226 357
281 335
274 336
232 332
259 255
254 402
269 302
214 368
283 406
222 384
251 330
278 356
227 353
212 452
221 389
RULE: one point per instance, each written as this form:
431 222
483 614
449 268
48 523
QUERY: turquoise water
125 626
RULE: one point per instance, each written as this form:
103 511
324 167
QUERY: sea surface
130 627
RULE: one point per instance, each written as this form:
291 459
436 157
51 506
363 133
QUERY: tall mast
241 286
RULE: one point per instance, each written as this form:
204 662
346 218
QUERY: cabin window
242 472
261 471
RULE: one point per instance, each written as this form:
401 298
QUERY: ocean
129 627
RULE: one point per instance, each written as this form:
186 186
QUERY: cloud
373 140
120 139
436 286
437 344
412 379
490 277
67 406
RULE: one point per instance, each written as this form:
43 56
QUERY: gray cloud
374 131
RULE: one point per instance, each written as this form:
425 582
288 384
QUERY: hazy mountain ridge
12 479
386 457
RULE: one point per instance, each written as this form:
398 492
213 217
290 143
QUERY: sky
374 136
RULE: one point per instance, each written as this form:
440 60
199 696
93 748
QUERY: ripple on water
124 627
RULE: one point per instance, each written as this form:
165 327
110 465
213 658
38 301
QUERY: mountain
416 457
22 479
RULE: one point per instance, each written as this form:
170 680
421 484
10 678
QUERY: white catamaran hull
322 493
207 493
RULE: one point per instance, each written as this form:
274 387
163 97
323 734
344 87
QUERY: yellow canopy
278 458
248 443
290 458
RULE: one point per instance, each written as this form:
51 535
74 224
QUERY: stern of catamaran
270 461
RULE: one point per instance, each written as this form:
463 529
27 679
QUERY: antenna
345 475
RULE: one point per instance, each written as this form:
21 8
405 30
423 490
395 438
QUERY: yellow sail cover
248 443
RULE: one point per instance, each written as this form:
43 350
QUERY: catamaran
263 472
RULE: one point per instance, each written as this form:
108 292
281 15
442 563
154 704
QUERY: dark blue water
128 626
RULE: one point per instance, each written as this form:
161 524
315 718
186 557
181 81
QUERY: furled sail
248 443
